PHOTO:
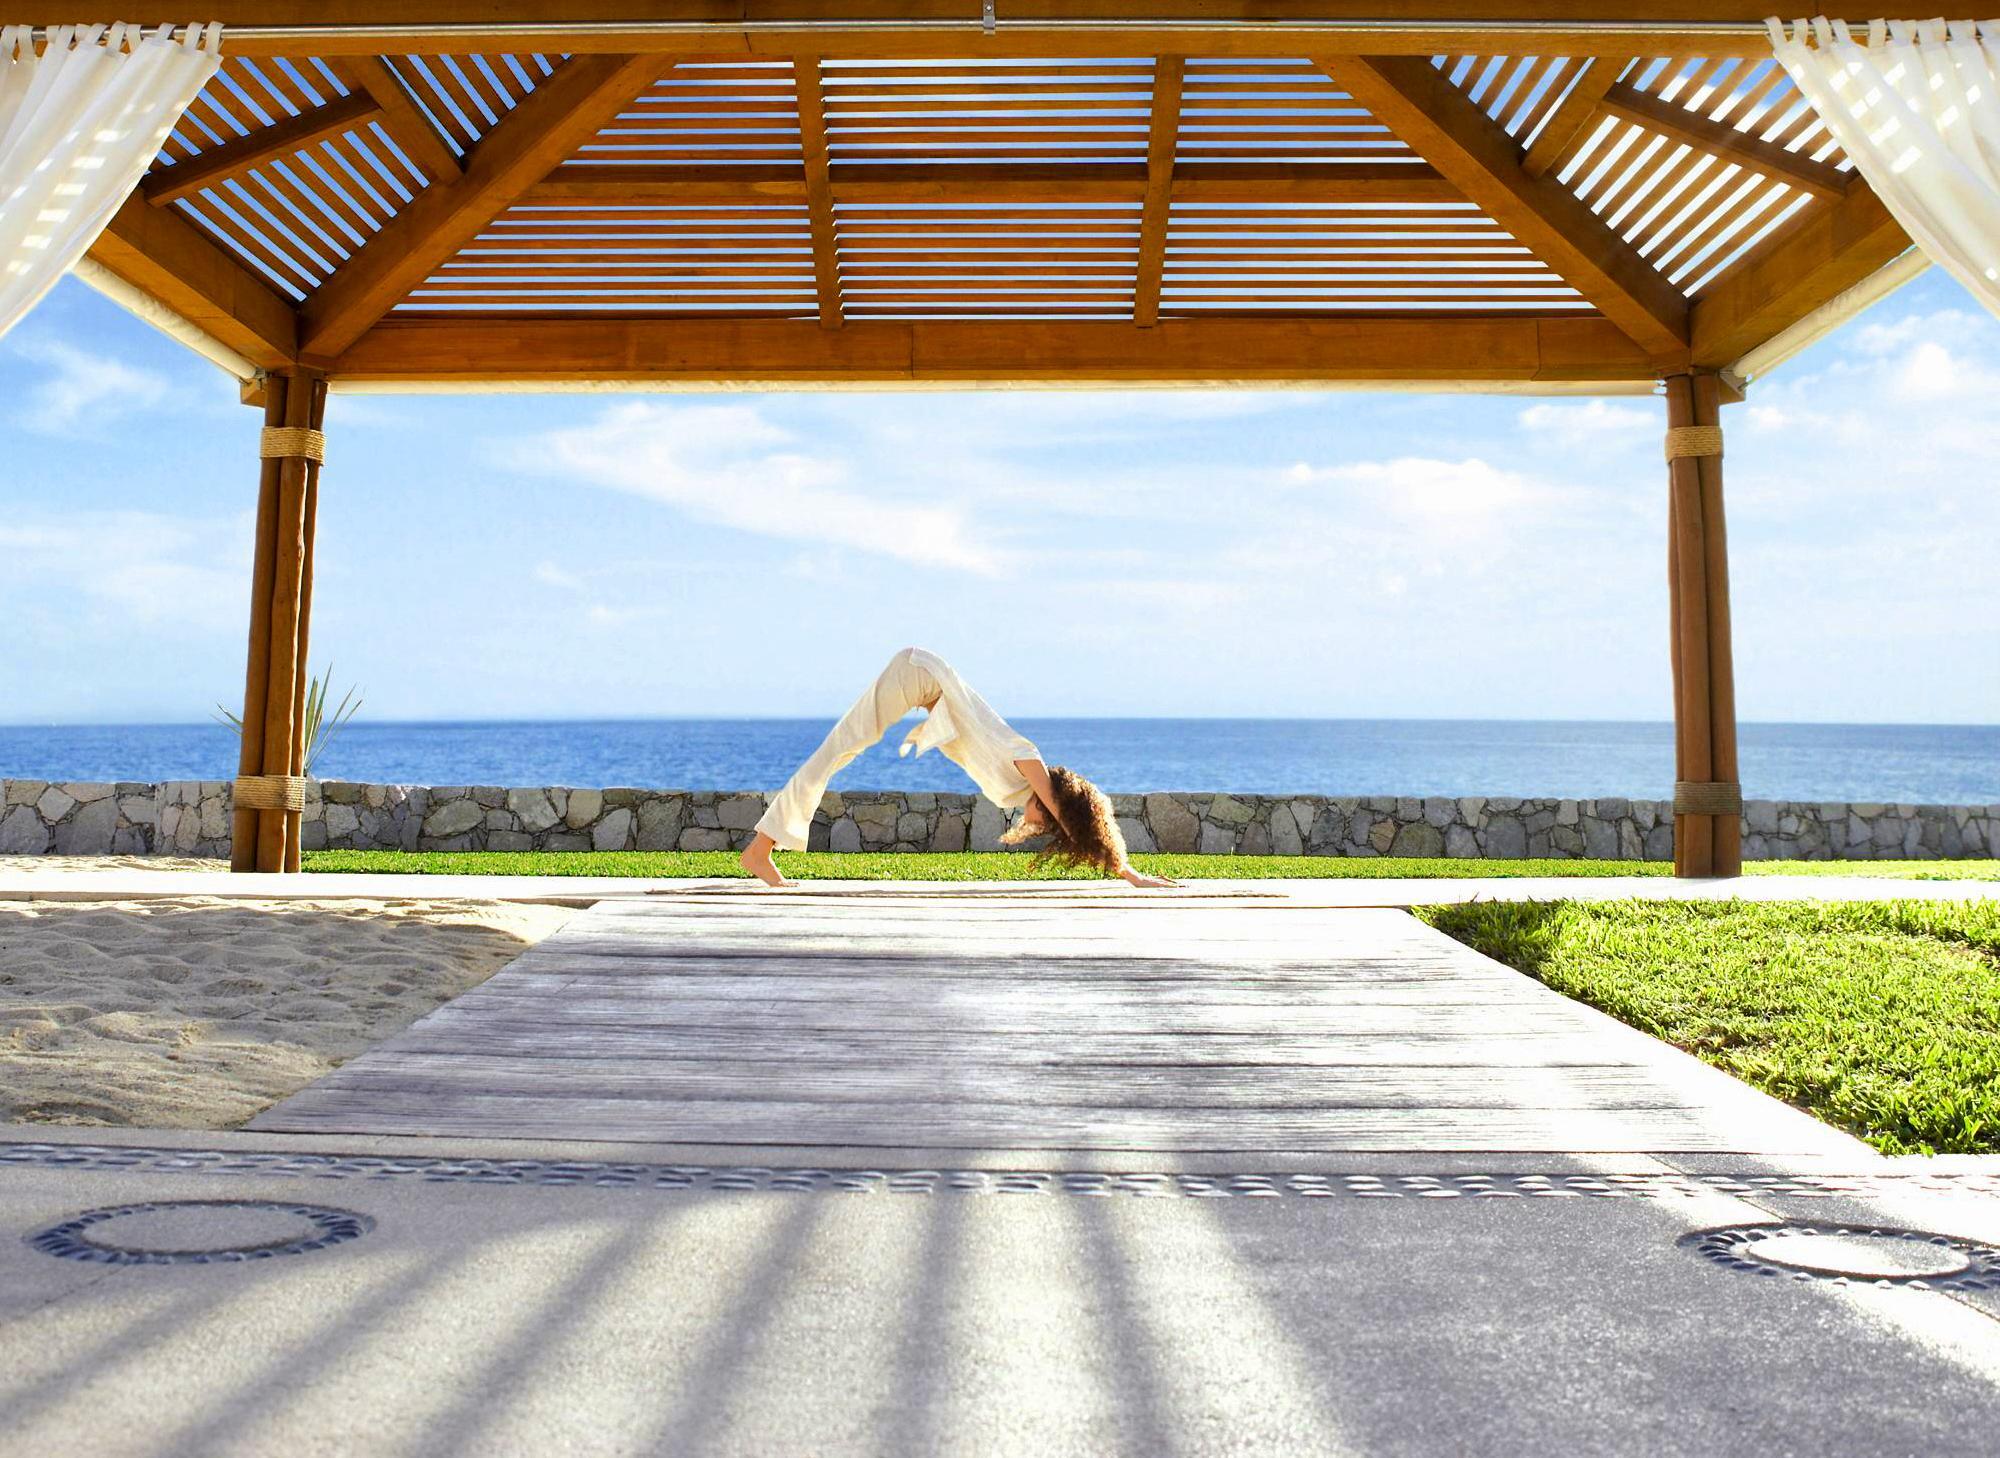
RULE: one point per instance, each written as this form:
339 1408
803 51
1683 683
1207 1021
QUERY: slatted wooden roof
1492 193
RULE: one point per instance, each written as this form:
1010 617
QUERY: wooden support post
257 670
1708 822
316 419
268 810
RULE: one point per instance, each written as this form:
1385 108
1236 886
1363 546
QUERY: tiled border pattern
69 1240
1735 1248
1663 1185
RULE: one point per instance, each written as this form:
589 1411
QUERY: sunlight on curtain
1917 109
79 124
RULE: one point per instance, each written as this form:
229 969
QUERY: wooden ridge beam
238 155
568 108
1722 140
1419 104
976 182
1821 254
1570 123
818 187
798 353
408 123
1157 210
161 254
952 28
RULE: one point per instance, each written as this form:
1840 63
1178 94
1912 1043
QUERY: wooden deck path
1033 1020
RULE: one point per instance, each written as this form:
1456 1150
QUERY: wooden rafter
1796 271
1157 210
818 187
1570 123
584 94
163 256
1441 124
794 353
408 123
1377 182
240 154
1724 140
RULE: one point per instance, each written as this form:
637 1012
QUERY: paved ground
54 884
951 1021
537 1305
451 1296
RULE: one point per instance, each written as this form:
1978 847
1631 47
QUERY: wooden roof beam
1157 210
784 353
951 28
999 182
567 109
1704 134
239 154
1572 119
161 254
818 187
1419 104
406 122
1799 268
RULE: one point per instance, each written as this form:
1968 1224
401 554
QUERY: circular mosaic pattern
1874 1255
198 1232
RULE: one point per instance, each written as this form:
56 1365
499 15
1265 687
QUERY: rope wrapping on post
269 792
292 440
1693 440
1707 797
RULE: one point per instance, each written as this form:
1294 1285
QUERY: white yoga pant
902 686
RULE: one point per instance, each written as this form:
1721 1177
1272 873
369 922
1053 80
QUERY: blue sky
1170 553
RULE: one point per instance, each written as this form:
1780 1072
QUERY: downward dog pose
1062 805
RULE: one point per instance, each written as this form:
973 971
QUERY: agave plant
319 727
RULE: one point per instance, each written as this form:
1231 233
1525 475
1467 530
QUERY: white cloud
1415 485
77 388
550 575
1592 420
728 465
136 567
1929 371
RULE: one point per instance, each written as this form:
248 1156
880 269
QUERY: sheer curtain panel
80 120
1917 109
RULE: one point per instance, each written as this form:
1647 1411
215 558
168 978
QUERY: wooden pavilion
1568 196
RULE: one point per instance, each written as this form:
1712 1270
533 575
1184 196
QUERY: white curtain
79 124
1917 109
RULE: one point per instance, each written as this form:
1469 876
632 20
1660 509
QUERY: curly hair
1083 831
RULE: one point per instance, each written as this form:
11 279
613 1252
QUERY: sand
193 1012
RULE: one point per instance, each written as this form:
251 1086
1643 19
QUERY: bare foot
756 859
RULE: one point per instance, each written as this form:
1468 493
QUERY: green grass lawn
1880 1017
975 866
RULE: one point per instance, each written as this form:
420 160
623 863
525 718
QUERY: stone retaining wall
191 817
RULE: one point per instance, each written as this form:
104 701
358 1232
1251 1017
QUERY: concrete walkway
950 1021
584 1300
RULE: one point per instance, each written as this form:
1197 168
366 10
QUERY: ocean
1932 764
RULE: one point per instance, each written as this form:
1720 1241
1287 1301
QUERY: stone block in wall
22 832
1175 827
989 823
1138 839
614 831
701 838
742 812
661 820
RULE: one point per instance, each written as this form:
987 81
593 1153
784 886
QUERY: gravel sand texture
195 1012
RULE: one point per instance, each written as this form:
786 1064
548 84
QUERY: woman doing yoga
1061 805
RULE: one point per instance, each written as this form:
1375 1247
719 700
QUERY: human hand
1140 878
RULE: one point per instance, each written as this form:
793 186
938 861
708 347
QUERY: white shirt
964 728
